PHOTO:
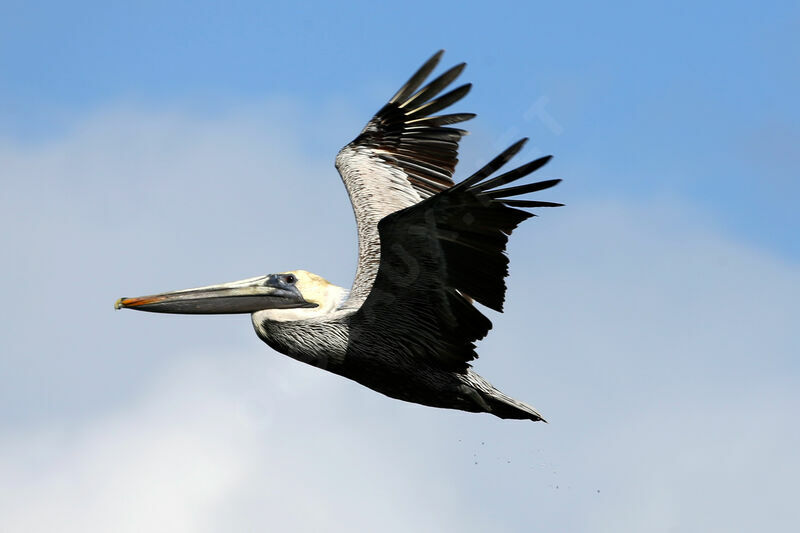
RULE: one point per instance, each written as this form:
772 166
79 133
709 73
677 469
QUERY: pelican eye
290 279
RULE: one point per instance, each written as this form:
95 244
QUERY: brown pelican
427 249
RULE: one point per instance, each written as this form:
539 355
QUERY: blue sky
178 144
707 92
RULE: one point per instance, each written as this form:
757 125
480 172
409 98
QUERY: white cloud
162 463
217 443
662 352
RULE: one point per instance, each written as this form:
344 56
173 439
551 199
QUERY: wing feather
437 255
436 86
403 155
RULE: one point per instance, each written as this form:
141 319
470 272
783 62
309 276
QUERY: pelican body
428 249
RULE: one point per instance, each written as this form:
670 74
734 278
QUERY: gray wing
438 254
405 154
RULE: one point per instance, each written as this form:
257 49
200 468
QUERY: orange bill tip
133 302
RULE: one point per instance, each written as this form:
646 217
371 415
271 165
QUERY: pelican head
315 289
286 296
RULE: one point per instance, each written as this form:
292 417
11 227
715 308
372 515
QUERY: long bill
245 296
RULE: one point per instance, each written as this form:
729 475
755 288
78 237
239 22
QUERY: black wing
441 252
406 133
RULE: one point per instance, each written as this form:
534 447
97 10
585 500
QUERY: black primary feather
405 131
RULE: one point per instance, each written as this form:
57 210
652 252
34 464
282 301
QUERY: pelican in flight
427 249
